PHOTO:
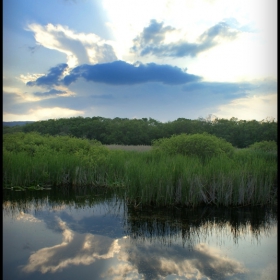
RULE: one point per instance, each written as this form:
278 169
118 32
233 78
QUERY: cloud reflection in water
145 261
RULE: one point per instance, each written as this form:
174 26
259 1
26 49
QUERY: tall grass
143 178
180 180
138 148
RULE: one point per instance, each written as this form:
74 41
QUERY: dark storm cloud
50 92
117 73
122 73
52 78
151 40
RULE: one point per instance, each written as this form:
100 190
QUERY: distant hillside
16 123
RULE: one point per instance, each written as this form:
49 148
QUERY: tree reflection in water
191 225
141 243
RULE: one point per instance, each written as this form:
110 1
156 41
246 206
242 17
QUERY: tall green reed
145 178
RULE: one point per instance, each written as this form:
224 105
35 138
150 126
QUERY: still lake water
88 235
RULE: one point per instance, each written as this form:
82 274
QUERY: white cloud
20 96
29 77
79 48
252 55
39 113
246 58
256 107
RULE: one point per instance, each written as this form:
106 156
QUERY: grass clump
32 159
202 145
264 146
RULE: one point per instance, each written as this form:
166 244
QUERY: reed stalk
144 178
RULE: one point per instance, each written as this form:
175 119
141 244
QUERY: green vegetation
202 145
139 148
183 170
123 131
264 146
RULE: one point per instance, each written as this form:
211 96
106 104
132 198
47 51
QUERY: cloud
257 107
52 78
29 77
153 34
50 92
79 47
121 73
116 73
13 96
39 113
153 40
228 90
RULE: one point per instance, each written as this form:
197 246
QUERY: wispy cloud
228 90
79 47
51 92
152 40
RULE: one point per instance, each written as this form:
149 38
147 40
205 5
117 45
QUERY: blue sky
163 59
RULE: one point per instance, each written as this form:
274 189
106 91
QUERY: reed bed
138 148
145 178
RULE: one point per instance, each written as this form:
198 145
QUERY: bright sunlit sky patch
164 59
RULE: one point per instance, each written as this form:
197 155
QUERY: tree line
124 131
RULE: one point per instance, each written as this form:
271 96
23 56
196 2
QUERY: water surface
90 235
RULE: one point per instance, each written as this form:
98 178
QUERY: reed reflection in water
99 236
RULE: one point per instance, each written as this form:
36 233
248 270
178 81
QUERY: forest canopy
124 131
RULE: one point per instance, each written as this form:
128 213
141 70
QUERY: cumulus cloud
116 73
52 78
79 47
153 40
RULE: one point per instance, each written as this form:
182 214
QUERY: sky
160 59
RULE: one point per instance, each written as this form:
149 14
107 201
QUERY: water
89 235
